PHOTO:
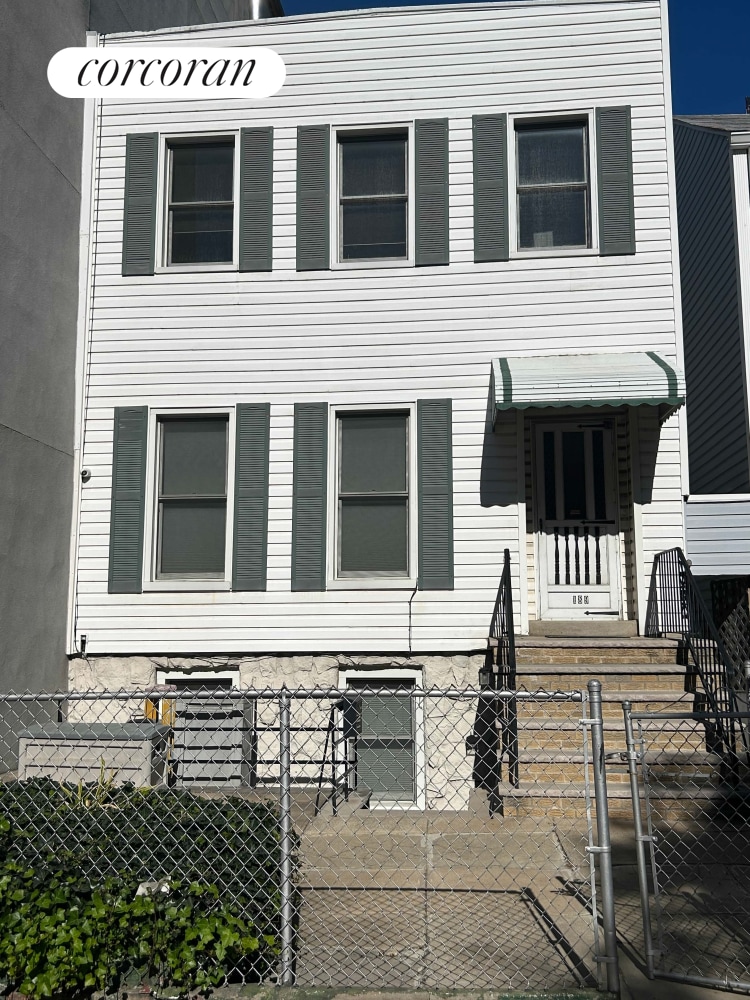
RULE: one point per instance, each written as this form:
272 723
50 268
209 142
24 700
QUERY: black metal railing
676 607
498 674
339 753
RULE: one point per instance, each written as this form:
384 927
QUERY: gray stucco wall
40 170
108 16
714 371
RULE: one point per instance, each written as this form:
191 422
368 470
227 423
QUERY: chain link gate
691 809
378 835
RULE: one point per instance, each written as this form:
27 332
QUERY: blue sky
710 43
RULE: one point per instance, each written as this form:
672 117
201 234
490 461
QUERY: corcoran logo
146 73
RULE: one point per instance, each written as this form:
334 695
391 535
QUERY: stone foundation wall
112 673
444 767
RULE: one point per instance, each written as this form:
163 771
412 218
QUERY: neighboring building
713 205
40 198
346 345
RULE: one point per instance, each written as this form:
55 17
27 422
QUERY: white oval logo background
150 73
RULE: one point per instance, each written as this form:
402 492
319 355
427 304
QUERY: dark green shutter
313 197
250 545
614 158
435 485
490 146
431 192
139 216
309 492
256 199
128 500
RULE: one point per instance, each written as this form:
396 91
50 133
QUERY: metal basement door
386 758
577 531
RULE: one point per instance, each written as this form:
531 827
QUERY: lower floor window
372 494
192 498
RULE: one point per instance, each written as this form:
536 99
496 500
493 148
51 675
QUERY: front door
577 530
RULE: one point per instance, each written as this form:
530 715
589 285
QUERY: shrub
71 862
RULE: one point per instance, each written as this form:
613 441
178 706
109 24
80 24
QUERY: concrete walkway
423 900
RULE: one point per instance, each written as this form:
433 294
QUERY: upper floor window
373 196
553 198
200 210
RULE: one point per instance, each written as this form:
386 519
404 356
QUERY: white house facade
347 345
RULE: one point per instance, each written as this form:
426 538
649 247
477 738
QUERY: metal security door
578 538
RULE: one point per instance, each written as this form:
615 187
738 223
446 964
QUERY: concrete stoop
645 672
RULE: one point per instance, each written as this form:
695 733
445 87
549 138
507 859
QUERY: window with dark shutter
256 199
490 169
139 213
128 500
251 497
432 243
435 497
309 496
313 197
615 179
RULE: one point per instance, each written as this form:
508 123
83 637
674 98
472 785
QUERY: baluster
557 556
567 555
586 571
577 557
598 555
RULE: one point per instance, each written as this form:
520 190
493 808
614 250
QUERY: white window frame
371 582
587 116
406 128
372 678
150 532
164 175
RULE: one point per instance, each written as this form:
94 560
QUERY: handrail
676 607
343 704
498 674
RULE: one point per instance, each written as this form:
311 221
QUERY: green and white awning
633 379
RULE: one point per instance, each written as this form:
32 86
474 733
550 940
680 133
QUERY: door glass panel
574 476
550 484
600 498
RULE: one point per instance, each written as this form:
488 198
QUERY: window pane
574 475
194 457
552 219
192 537
203 172
552 155
373 229
201 235
373 165
374 536
373 453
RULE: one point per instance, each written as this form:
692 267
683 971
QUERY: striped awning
633 379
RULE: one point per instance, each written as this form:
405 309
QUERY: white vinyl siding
381 336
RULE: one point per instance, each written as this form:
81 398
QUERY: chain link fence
692 828
377 836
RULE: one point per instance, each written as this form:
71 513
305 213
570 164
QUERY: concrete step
358 800
584 630
533 649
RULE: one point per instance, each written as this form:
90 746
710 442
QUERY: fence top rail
220 694
696 716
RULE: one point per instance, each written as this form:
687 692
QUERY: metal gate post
285 807
604 848
640 840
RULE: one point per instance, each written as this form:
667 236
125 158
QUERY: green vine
79 908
